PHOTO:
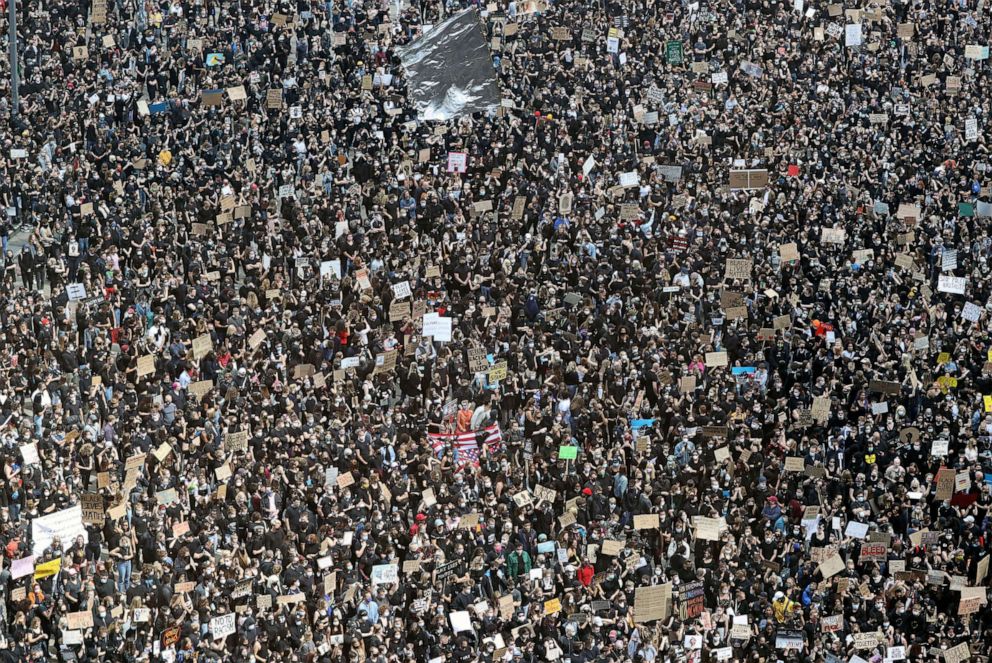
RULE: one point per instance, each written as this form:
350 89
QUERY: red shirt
585 574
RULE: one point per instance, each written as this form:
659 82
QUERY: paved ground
15 243
17 240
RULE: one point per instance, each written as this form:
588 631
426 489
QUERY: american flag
465 445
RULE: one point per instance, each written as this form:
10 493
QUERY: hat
772 499
779 595
421 517
587 491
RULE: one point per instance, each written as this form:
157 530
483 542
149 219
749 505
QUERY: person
518 562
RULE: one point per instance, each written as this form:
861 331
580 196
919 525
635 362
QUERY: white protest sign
629 179
951 284
22 567
852 34
437 327
856 530
461 620
29 452
588 165
385 573
75 291
401 290
971 312
971 129
457 162
66 524
948 260
223 626
329 268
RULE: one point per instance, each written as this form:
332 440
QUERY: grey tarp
449 69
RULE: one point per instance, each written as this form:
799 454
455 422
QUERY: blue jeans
123 575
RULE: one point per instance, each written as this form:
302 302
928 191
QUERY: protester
690 363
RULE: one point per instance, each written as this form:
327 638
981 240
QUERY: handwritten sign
146 365
652 603
79 620
738 268
646 521
457 162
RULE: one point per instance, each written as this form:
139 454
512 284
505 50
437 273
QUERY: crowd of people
690 362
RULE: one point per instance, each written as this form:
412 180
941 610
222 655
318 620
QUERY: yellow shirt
783 609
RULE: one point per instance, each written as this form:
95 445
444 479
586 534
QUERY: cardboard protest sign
92 508
738 268
717 359
794 464
789 252
748 179
945 481
957 654
200 387
652 603
211 98
146 365
646 521
833 235
202 345
79 620
831 566
707 529
345 480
